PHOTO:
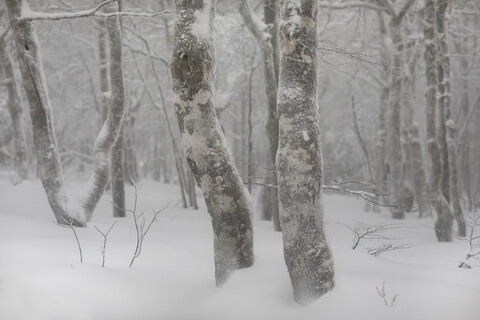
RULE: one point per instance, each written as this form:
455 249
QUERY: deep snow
41 277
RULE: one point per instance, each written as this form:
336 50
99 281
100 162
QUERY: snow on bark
299 162
49 165
450 185
443 225
193 74
16 112
67 210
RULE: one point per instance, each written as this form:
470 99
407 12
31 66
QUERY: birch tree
443 225
299 158
193 74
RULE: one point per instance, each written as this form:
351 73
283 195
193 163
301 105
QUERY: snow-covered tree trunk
15 111
299 158
441 122
50 169
261 34
394 145
443 225
445 99
48 159
193 74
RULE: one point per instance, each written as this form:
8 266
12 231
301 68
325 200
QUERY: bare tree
443 225
50 168
447 124
299 158
193 73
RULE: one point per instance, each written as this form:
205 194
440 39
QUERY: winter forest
239 159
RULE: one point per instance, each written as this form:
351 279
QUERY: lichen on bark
193 74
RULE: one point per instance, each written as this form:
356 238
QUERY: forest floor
173 278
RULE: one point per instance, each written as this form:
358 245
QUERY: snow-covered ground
41 277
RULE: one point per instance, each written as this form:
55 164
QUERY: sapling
142 225
383 295
104 246
70 225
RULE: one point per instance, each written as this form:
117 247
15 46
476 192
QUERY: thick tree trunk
15 111
443 225
264 39
449 124
193 74
299 158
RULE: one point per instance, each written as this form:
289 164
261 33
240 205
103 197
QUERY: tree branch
94 12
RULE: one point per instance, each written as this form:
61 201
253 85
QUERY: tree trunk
381 132
443 225
264 39
446 98
299 159
193 74
394 146
414 145
15 111
441 122
117 85
48 159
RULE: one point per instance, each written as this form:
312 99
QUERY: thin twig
104 247
70 225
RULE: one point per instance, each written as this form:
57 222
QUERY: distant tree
193 74
299 159
266 42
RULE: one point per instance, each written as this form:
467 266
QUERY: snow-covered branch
351 4
28 15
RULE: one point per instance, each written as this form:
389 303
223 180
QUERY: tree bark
449 124
16 112
48 159
299 158
117 84
381 132
443 225
394 146
193 74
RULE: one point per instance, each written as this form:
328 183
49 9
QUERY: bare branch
70 225
94 12
351 4
104 247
